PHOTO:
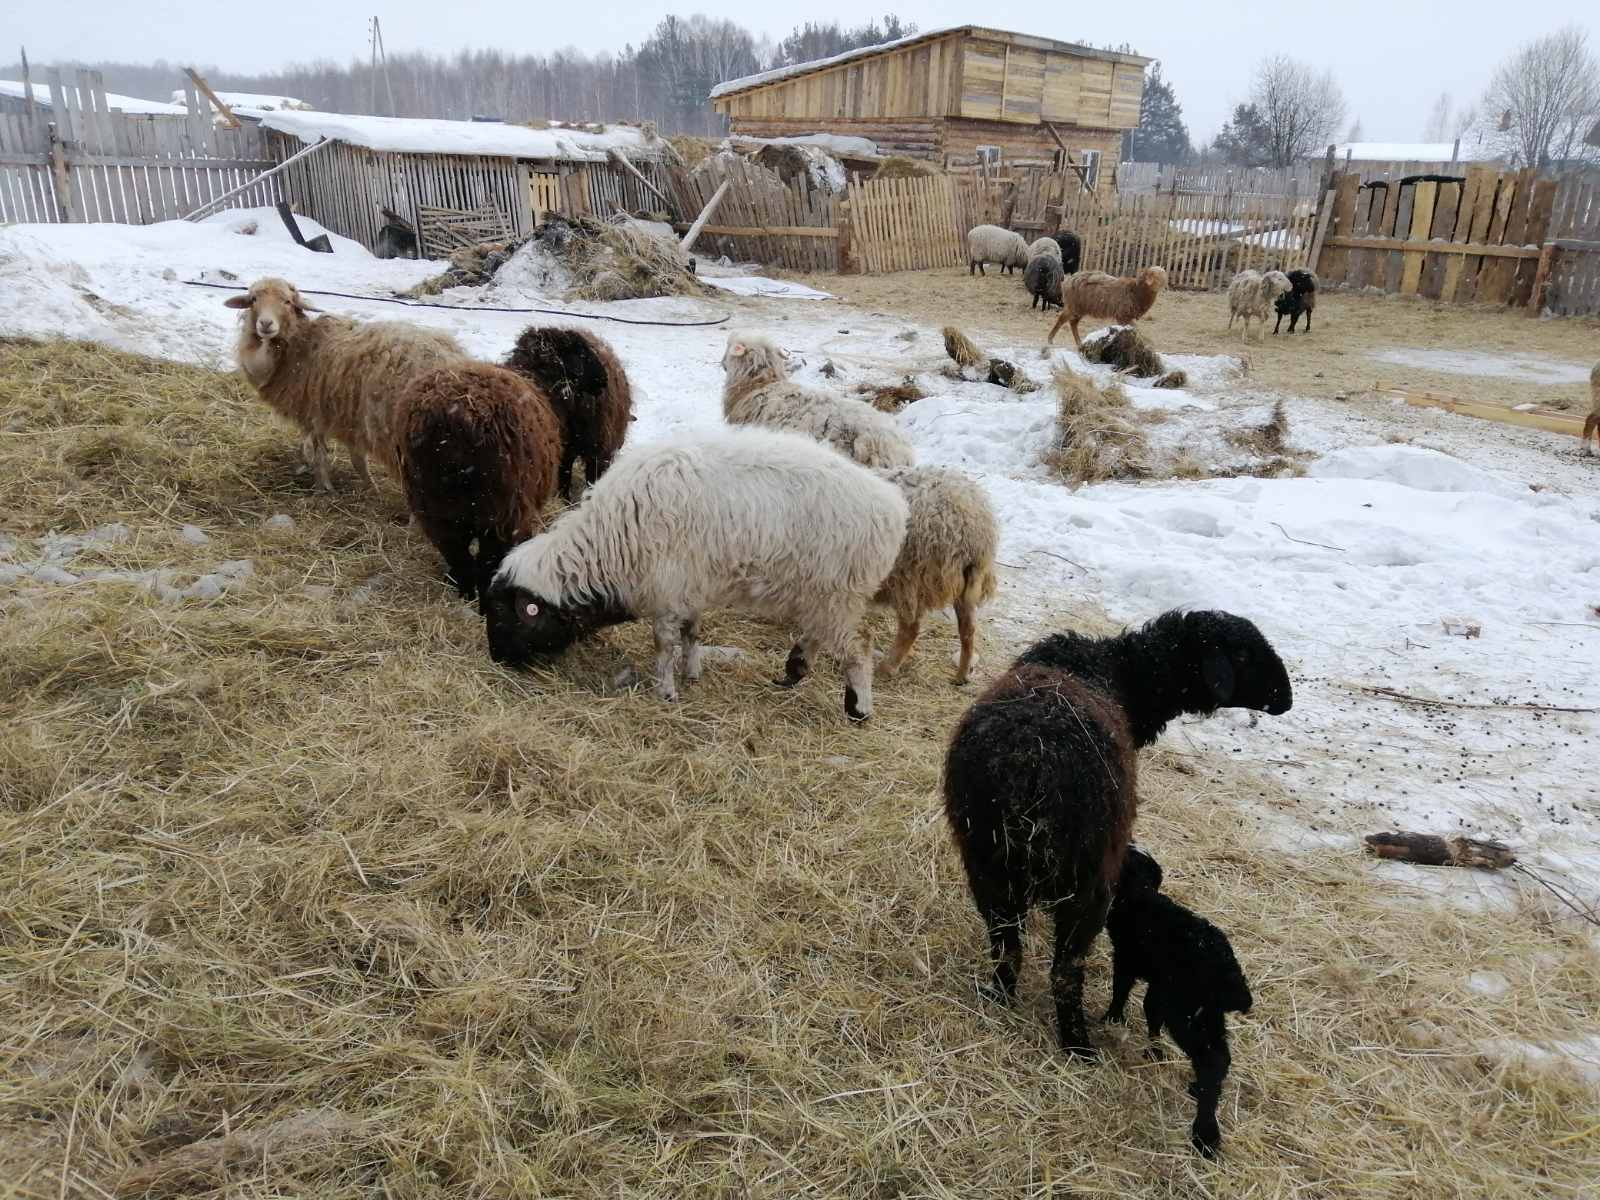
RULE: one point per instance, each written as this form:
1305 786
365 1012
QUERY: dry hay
291 862
618 260
1122 347
1097 435
898 167
693 150
1268 437
963 349
892 397
787 162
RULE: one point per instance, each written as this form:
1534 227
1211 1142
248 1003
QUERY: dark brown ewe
479 448
1040 780
588 389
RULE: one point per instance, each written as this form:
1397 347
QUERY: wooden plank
1324 214
1510 211
1422 200
1535 232
1347 189
1399 244
1445 212
1549 419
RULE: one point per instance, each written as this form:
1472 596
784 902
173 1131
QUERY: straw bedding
300 868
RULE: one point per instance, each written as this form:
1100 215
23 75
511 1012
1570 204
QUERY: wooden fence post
1541 278
66 200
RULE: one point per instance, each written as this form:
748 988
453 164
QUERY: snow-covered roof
833 143
490 138
252 101
762 78
1470 151
128 104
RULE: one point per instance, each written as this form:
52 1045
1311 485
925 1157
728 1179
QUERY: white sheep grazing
761 520
1044 245
757 390
331 376
991 244
1251 295
947 559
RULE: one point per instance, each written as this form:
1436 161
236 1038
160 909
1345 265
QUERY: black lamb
1040 779
1300 298
1194 981
1042 279
1071 252
588 390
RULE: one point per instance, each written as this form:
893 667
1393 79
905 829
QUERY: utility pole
375 41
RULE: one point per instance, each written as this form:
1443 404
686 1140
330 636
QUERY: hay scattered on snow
962 349
1097 437
1122 347
891 398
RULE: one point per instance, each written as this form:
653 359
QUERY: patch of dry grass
304 896
1097 434
891 397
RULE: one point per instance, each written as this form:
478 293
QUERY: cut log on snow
1430 850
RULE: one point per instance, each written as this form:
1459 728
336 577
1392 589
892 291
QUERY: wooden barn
954 97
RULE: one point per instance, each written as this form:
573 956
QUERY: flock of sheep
804 510
1051 277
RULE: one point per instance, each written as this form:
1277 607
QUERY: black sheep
588 389
1301 298
1042 279
1040 778
1071 252
1194 981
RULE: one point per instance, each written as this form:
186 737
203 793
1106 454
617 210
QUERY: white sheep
757 390
947 559
1251 296
761 520
1044 245
331 376
991 244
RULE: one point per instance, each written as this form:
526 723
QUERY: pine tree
1161 136
1246 140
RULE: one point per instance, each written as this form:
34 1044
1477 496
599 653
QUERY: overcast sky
1392 58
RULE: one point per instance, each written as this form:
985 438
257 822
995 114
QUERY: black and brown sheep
1300 299
588 389
479 449
1040 779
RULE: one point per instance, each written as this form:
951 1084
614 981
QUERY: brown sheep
588 389
1096 294
333 377
1591 424
479 450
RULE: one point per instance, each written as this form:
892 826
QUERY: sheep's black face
1139 871
1238 667
523 626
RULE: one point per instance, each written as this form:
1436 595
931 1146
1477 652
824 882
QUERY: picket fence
761 217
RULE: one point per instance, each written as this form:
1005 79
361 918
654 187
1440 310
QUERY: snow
1408 518
252 101
1529 368
755 285
833 143
128 104
1422 152
491 138
266 224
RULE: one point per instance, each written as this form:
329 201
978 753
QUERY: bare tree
1353 134
1548 95
1439 127
1302 109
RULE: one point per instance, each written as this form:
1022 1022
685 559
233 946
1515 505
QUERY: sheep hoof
1193 1089
1153 1053
995 994
1115 1018
1206 1141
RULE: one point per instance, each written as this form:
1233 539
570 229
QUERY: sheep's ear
1217 671
237 302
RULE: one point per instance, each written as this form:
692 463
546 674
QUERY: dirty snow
1352 571
128 104
1529 368
755 285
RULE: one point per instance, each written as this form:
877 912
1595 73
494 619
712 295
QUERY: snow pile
128 104
253 102
266 224
492 138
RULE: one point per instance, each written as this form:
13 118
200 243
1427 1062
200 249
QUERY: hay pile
898 167
967 355
1097 434
621 259
1122 347
891 398
301 865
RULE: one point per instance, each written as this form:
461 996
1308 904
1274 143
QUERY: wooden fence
1571 281
1301 180
905 224
1478 241
761 217
80 160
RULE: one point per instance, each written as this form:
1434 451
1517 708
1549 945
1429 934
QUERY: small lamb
1194 979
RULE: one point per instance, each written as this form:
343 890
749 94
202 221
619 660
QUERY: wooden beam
705 215
815 231
1471 249
244 187
1324 214
1541 278
1548 419
205 89
621 160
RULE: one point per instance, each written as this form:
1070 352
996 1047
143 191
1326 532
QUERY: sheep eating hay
588 389
1044 245
992 244
1096 294
757 519
1043 280
331 376
757 390
1040 781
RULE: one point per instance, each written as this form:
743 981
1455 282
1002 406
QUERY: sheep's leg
321 475
1056 328
798 664
858 679
967 626
1152 1020
1002 917
1279 322
460 567
1076 340
693 651
668 632
1308 322
1204 1038
1077 925
909 625
1122 981
564 475
358 460
491 549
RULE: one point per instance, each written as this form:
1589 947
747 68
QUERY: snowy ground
1411 528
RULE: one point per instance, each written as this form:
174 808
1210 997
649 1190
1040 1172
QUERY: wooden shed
953 97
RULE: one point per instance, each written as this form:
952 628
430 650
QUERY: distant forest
665 80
